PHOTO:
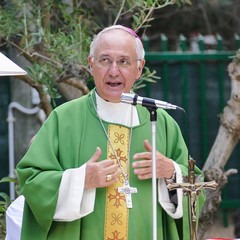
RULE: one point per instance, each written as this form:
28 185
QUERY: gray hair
139 46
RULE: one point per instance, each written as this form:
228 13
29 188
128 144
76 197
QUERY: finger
95 157
111 168
114 177
142 164
147 145
143 155
145 176
141 171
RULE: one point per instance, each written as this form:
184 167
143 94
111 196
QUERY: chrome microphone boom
134 99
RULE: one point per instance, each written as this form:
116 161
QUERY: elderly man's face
115 65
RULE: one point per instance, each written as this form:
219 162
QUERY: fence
4 101
199 82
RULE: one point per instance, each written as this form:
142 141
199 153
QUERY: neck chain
125 174
126 189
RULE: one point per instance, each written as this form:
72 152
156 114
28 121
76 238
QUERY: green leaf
8 179
7 200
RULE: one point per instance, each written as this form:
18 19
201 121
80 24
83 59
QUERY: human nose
114 68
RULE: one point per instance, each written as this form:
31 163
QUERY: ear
90 63
140 67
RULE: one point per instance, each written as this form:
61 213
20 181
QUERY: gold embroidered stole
116 212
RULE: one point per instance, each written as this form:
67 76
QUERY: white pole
11 120
154 185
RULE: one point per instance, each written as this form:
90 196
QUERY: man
92 150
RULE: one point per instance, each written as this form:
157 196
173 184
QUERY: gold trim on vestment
116 212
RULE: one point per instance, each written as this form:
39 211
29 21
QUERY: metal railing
199 82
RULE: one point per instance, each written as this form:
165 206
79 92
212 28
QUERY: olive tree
54 37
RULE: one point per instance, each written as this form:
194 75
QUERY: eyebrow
121 56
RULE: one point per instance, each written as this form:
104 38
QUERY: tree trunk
226 140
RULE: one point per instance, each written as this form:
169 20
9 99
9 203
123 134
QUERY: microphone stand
152 106
153 119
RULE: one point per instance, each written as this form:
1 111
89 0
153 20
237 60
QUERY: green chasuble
68 139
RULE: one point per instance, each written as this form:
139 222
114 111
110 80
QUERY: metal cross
192 187
127 191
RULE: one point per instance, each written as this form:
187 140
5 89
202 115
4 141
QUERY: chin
114 98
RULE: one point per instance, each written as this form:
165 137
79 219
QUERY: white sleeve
74 201
163 195
14 215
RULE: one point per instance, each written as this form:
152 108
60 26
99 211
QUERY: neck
108 100
120 112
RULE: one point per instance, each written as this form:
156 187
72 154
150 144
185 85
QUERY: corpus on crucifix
192 187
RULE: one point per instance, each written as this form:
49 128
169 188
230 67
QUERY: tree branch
44 99
119 12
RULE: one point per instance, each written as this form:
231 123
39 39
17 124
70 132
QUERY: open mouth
114 84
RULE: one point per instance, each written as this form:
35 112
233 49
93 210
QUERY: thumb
147 145
96 155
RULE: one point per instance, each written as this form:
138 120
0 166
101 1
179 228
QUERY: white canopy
9 68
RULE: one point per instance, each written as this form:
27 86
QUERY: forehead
116 42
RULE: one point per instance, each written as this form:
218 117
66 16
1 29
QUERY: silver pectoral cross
127 191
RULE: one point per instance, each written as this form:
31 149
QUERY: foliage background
54 35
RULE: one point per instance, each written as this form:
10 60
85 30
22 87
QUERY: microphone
134 99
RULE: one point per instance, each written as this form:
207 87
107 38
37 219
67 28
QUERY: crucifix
127 191
192 186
